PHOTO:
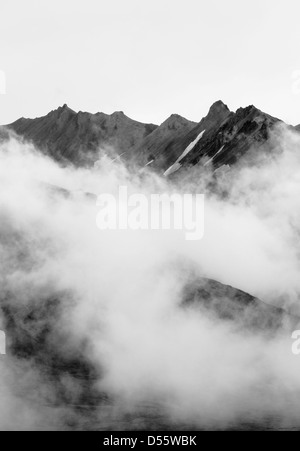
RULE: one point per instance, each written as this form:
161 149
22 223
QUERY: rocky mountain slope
159 148
77 137
230 304
226 143
220 138
217 114
34 332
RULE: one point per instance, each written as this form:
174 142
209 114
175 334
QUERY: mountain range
220 138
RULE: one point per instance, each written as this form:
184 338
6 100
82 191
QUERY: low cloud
113 300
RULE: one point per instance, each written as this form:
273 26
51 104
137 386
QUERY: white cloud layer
121 292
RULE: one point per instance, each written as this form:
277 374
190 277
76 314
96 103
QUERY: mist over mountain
146 330
75 137
221 138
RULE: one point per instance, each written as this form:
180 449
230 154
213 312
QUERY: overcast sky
149 58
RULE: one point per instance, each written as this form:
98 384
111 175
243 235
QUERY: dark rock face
159 148
76 137
220 138
226 143
244 311
217 114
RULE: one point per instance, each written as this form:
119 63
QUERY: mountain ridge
220 138
74 137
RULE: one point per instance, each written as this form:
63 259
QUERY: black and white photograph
149 218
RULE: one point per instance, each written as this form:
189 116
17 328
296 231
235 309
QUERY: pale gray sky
149 58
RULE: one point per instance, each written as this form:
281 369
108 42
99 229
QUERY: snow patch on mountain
212 159
190 147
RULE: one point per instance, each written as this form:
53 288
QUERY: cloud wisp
102 311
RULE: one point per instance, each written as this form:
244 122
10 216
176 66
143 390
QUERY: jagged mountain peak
218 106
176 121
61 110
220 138
74 137
217 113
65 107
228 141
157 147
119 114
62 115
176 117
252 111
249 110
